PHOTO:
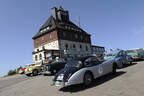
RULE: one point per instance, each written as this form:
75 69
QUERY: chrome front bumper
46 73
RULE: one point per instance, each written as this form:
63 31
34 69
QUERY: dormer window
45 29
48 28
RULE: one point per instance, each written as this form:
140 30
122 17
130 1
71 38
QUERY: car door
106 66
120 58
92 65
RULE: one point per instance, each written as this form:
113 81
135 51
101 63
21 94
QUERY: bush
13 72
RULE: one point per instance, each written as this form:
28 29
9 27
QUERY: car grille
45 68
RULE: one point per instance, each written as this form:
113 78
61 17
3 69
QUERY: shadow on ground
134 63
96 82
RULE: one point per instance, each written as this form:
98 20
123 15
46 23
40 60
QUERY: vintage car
21 70
135 54
83 70
120 58
53 67
32 69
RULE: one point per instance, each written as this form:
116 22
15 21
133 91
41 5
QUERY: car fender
77 77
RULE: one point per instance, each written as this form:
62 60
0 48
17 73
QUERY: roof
53 24
97 46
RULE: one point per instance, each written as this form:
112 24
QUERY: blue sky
112 23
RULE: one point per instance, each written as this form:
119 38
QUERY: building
60 37
98 50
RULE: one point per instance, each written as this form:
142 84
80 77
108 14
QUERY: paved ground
128 81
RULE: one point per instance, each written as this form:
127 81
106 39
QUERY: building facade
98 50
60 37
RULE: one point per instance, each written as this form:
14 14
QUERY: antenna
79 21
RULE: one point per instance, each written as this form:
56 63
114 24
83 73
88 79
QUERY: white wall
50 45
54 45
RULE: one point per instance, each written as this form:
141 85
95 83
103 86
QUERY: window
50 36
80 46
35 57
74 46
76 36
43 47
42 37
81 37
41 31
40 56
66 46
47 28
69 27
87 62
92 61
86 48
66 27
95 61
64 34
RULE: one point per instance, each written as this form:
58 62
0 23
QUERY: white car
83 70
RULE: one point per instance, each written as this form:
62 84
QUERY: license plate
58 83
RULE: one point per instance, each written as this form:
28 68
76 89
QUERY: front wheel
88 79
35 73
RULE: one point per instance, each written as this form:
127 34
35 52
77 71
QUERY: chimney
54 13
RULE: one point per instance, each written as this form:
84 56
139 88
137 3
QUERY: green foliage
13 72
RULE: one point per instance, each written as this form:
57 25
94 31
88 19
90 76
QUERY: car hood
67 72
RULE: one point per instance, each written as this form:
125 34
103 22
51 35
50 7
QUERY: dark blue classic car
120 58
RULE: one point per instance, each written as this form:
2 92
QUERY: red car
21 70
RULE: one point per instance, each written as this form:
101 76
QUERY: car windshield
113 53
74 63
132 52
29 65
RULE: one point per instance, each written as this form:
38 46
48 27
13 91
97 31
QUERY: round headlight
30 69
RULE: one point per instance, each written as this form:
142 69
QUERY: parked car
136 55
21 70
120 58
83 70
32 69
53 67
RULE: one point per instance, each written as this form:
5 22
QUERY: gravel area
127 82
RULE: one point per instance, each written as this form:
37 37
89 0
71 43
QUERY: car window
88 62
95 61
92 61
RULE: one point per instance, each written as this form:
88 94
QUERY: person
57 59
